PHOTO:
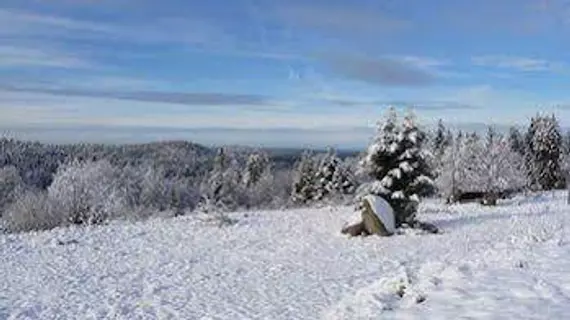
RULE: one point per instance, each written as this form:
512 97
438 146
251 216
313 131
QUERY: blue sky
275 72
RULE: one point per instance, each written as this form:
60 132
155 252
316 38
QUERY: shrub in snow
87 192
263 193
32 211
223 187
10 185
398 162
148 189
282 188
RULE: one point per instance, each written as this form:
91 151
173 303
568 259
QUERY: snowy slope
512 261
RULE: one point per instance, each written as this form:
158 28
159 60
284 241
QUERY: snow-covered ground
512 261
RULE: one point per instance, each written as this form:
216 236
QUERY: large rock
377 218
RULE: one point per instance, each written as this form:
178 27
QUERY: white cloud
515 63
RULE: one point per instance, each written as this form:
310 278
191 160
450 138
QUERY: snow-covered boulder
378 216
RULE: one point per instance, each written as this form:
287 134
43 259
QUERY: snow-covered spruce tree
543 142
344 180
304 179
516 141
440 141
332 178
256 166
397 161
566 143
87 192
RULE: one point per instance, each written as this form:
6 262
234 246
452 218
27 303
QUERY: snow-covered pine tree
324 176
304 179
397 160
544 142
516 141
439 141
256 165
566 142
344 180
332 178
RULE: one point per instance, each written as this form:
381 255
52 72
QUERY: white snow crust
506 262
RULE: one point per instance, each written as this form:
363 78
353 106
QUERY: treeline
43 186
533 159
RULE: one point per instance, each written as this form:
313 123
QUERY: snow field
512 261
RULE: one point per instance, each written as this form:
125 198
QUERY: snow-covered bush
282 188
223 188
88 192
489 166
498 168
32 211
10 185
148 191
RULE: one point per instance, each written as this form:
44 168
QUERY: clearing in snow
504 262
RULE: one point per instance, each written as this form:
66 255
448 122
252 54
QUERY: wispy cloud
515 63
182 98
419 105
380 71
24 56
